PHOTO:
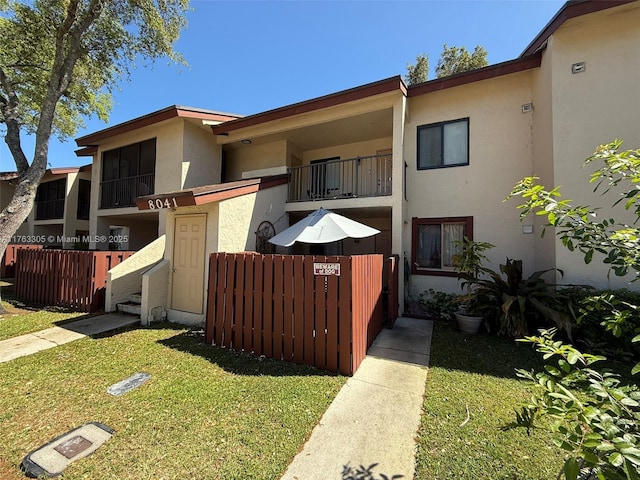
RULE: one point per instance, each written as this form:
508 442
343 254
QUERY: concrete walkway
376 415
52 337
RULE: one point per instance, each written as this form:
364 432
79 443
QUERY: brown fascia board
86 152
93 139
486 73
8 175
214 193
50 171
63 170
344 96
571 9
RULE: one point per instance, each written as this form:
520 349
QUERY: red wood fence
8 264
282 307
66 278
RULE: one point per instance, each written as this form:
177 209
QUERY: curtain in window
451 232
429 246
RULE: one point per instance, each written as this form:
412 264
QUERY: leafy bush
514 306
607 322
595 417
439 304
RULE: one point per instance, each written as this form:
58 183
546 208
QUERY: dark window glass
443 144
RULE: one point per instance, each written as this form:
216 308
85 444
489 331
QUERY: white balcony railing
334 179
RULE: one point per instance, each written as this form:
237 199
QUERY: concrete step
135 298
130 308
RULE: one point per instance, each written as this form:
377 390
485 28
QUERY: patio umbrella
322 226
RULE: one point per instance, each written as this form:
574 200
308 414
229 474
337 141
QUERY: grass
478 373
206 412
20 319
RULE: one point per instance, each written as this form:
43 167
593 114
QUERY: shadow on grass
481 353
240 363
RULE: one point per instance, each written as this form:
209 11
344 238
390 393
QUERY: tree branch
9 109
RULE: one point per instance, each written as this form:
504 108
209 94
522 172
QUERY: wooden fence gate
65 278
314 310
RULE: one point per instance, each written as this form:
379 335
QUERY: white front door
187 287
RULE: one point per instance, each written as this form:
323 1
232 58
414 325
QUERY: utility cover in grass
128 384
51 459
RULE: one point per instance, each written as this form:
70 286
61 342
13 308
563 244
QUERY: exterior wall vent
578 67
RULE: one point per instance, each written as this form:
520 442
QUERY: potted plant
469 264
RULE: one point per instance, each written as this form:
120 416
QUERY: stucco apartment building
424 164
60 215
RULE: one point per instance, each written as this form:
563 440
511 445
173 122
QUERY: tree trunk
18 209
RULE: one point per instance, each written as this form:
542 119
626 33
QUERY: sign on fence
326 269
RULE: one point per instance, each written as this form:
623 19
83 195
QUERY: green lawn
206 412
477 373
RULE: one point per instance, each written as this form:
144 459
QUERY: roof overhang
571 9
472 76
208 193
92 140
338 98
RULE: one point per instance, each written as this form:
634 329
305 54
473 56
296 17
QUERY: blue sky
246 57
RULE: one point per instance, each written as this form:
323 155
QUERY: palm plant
513 305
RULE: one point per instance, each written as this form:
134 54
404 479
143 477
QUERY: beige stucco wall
591 108
352 150
202 157
186 156
255 157
231 226
71 222
500 153
239 218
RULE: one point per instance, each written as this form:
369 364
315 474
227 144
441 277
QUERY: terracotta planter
468 323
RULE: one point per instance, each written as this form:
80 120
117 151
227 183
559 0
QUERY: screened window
50 198
444 144
129 161
434 248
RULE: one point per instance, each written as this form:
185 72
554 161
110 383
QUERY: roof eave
174 111
472 76
571 9
363 91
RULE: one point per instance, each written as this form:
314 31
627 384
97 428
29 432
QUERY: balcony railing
84 207
50 209
350 178
122 192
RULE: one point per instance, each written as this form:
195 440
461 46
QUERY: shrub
607 321
514 306
439 304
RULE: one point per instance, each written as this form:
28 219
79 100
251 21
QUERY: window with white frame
434 249
444 144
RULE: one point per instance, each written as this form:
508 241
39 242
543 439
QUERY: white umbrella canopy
322 226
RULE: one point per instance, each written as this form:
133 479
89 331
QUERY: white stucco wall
500 154
126 278
591 108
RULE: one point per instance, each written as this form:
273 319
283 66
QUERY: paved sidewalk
52 337
376 415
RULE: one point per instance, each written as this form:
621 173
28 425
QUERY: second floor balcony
50 209
368 176
122 192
